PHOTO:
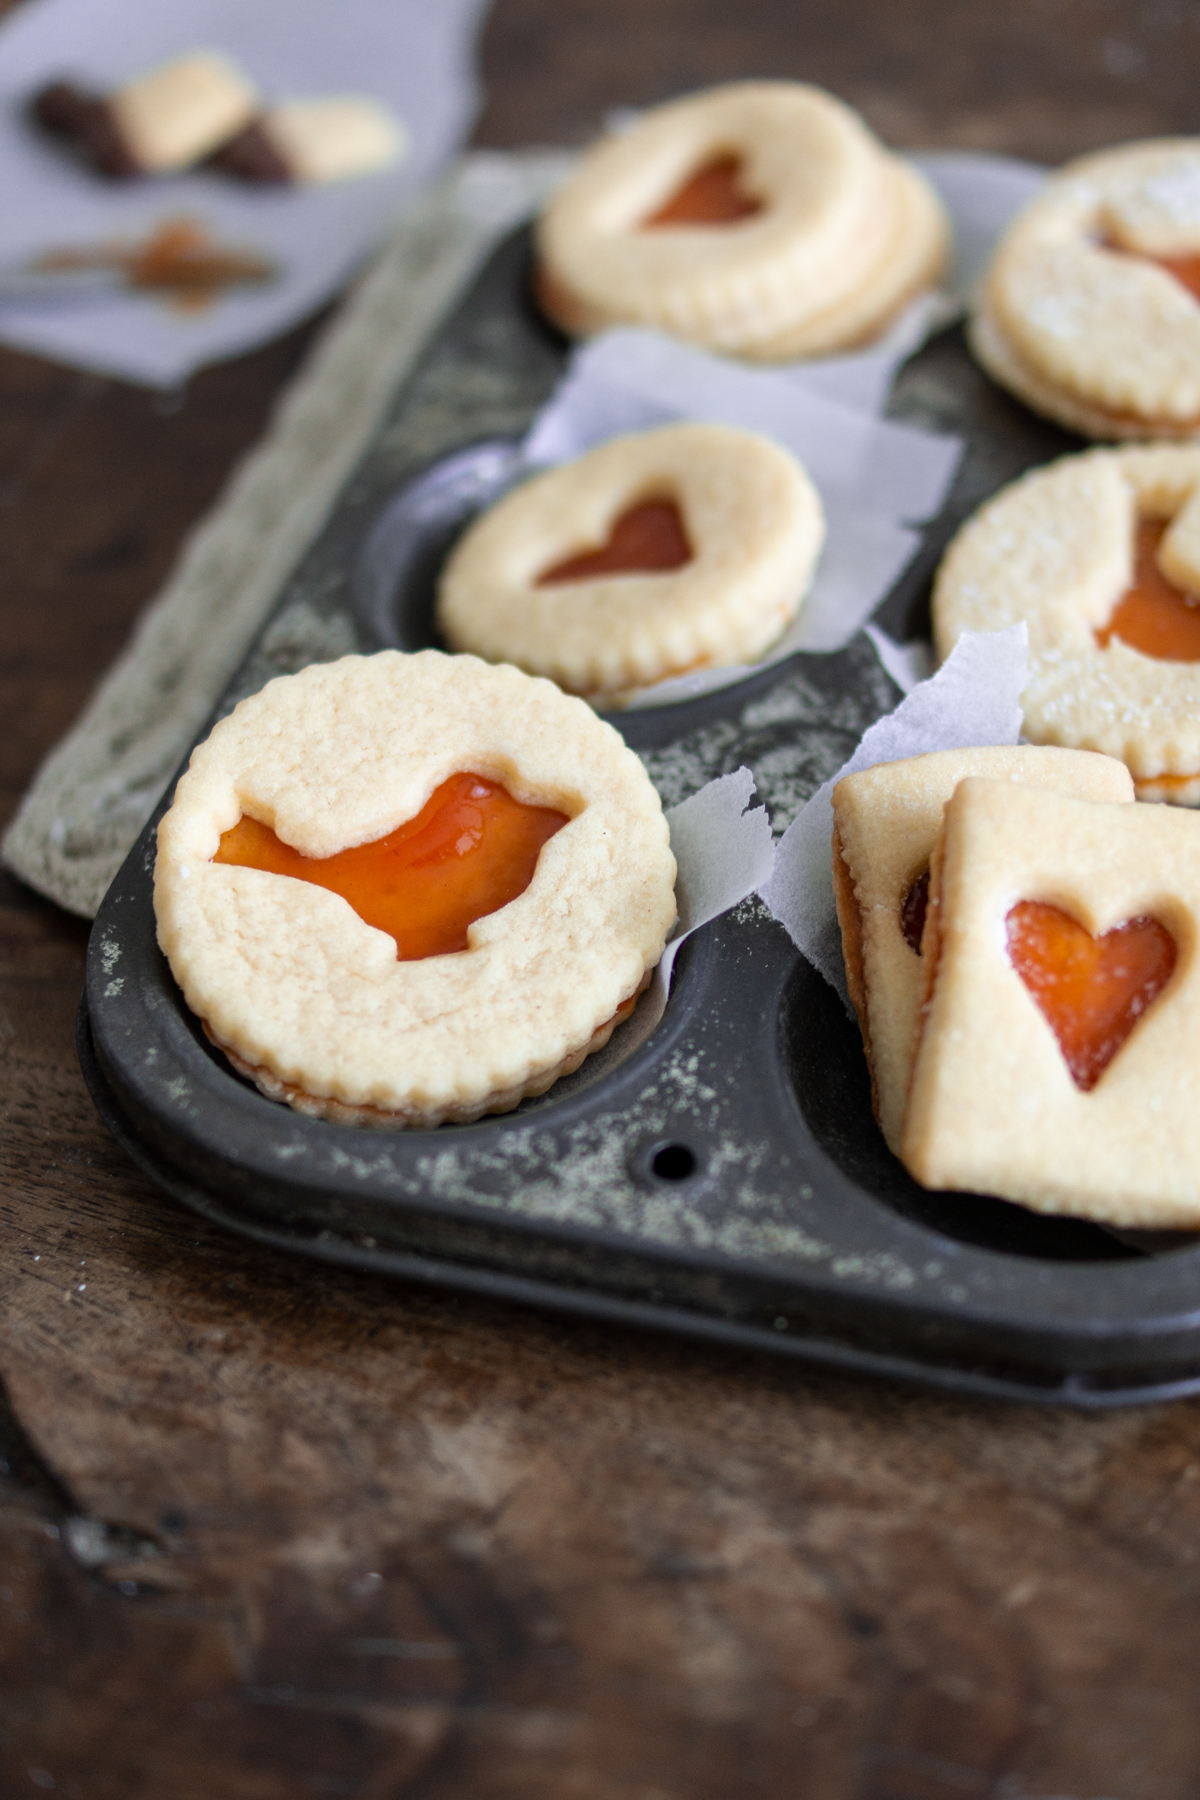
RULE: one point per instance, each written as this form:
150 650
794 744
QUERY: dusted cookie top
292 980
539 581
1089 311
1058 549
761 218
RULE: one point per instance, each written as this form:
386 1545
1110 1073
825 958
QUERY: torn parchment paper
975 698
724 852
876 478
982 194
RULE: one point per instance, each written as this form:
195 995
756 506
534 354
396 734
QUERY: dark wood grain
270 1532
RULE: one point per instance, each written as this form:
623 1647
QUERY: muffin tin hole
823 1055
673 1162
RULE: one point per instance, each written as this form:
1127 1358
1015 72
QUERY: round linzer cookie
762 219
405 890
669 550
1100 555
1090 310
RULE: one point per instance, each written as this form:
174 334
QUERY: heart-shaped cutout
648 539
1092 991
713 195
1153 615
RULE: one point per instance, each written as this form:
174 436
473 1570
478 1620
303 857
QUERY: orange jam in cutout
646 540
1092 991
713 195
1154 616
1185 269
913 908
470 850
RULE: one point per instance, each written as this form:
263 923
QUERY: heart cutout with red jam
648 539
713 195
1092 991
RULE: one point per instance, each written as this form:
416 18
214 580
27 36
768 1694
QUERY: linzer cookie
1059 1059
164 120
301 141
665 551
404 890
1100 555
762 219
1090 311
886 822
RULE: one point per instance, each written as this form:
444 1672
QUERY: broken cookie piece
305 141
163 121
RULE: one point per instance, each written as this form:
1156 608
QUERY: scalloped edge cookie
846 235
298 989
1075 320
752 517
1055 549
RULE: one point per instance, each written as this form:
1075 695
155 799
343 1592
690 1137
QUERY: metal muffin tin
724 1177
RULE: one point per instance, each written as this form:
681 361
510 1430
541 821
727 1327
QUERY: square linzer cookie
886 822
1059 1059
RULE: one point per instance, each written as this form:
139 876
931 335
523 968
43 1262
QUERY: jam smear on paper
179 261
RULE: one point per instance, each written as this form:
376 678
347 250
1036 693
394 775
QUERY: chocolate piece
162 121
87 121
252 157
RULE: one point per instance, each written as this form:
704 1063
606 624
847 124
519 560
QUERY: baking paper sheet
724 851
875 478
974 699
416 58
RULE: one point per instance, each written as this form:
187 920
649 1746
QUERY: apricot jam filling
913 908
1185 269
470 850
647 539
713 195
1092 991
1153 615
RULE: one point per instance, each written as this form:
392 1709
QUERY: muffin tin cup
723 1176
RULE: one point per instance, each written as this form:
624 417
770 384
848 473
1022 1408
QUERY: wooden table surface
270 1531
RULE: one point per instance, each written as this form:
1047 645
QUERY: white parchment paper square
975 698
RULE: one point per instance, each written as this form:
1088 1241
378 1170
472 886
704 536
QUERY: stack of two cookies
1019 948
762 219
